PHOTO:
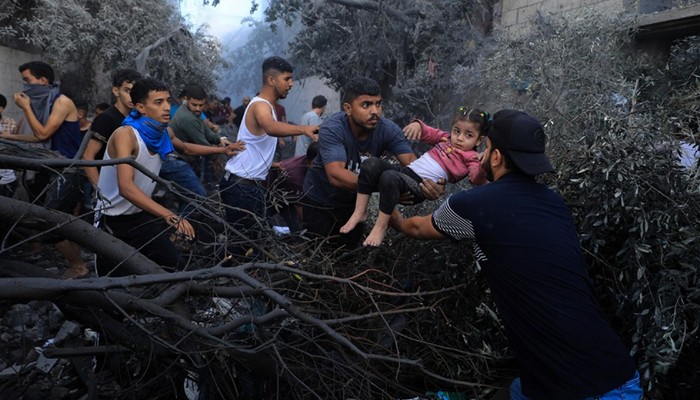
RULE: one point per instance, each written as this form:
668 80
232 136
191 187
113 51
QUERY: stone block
568 5
514 4
527 14
45 364
612 6
509 18
68 330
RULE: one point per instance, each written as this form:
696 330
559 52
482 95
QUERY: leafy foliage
405 45
85 39
241 76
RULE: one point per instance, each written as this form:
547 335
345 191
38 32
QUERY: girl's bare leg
359 215
376 236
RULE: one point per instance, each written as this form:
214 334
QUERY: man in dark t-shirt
107 122
346 138
525 241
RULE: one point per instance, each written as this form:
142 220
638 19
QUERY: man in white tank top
129 213
242 186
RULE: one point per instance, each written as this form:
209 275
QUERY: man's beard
365 124
486 166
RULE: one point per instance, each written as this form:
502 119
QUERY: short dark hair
196 92
275 65
139 93
81 105
125 75
359 86
38 69
311 151
319 101
102 106
3 101
226 100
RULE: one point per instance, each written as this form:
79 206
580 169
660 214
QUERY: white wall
298 102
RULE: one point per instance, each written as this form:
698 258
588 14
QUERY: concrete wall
10 79
298 102
515 15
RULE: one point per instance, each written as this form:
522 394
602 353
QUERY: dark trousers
323 222
8 189
245 209
245 201
390 180
146 233
57 192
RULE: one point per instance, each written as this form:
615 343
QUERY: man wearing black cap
525 241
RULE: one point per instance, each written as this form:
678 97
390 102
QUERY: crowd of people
521 232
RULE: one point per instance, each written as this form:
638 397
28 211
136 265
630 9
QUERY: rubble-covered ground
27 330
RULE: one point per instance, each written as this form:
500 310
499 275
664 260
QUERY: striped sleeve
451 224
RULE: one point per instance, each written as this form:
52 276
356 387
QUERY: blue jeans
180 172
630 390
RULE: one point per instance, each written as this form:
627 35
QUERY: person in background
313 117
285 145
188 127
177 102
227 128
99 109
52 118
85 123
237 116
7 176
110 120
85 185
286 187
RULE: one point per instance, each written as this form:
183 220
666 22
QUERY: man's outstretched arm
419 227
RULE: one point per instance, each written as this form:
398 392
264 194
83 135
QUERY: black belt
232 178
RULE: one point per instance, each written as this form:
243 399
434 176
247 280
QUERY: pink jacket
458 164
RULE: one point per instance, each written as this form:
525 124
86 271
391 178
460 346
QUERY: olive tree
410 47
87 40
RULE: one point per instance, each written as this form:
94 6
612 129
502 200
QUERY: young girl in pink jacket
452 158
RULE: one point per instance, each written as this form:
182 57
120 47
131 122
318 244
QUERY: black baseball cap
522 138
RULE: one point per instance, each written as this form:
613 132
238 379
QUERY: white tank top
256 160
114 204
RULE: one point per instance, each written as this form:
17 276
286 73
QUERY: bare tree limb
403 16
19 212
142 58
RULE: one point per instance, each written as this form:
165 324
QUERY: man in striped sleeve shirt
525 241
